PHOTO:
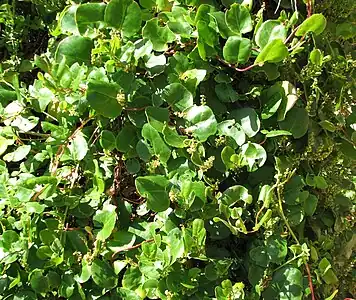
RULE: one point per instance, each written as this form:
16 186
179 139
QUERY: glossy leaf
270 30
202 122
124 15
103 274
76 49
107 218
237 50
275 51
248 119
315 23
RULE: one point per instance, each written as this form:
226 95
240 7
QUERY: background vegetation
185 149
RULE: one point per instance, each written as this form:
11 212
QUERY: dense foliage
185 149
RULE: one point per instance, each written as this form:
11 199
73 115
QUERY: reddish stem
233 66
310 281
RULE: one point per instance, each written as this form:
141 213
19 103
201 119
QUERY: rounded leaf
275 51
316 24
248 119
270 30
202 122
238 19
75 49
296 122
154 188
103 274
102 96
237 50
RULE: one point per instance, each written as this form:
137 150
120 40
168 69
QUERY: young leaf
107 217
275 51
269 31
315 23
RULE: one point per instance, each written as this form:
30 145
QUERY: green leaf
67 22
327 125
19 154
157 117
124 15
270 30
273 97
39 283
107 140
132 278
326 271
274 133
75 49
206 33
160 149
102 96
248 119
275 51
103 274
177 96
238 19
78 147
226 155
172 138
34 207
315 23
237 50
287 283
219 17
296 122
126 139
78 241
254 156
89 16
276 248
236 193
133 166
159 36
107 217
310 205
232 129
288 101
154 188
202 122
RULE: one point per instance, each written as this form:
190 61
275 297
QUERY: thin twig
62 148
310 281
131 247
291 231
291 35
